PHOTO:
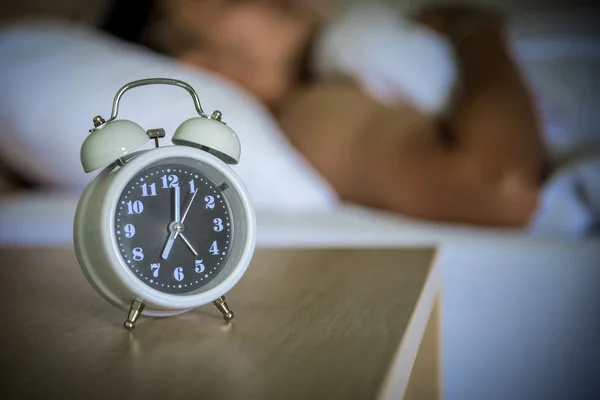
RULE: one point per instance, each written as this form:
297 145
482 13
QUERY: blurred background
520 290
64 60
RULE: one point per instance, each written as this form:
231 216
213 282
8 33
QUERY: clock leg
134 313
221 304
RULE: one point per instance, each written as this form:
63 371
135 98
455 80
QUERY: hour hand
169 245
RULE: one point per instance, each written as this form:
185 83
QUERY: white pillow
56 77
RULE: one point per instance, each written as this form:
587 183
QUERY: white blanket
55 78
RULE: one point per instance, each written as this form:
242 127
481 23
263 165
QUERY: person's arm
394 159
493 115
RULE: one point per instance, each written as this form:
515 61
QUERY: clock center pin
178 227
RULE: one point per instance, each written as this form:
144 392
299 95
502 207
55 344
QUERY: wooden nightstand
310 324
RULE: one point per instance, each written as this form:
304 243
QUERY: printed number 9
129 230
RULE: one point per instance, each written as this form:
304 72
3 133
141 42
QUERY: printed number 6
178 274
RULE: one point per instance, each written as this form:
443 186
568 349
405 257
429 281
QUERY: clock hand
179 220
188 205
187 242
177 204
174 233
169 244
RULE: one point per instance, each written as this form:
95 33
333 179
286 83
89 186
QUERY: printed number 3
218 224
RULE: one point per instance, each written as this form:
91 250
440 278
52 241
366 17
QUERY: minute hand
188 205
177 204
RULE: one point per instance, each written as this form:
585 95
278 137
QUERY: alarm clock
168 229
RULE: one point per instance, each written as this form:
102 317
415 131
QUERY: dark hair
144 23
128 19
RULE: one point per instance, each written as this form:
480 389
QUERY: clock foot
134 313
221 304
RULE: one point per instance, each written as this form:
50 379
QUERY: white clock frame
97 250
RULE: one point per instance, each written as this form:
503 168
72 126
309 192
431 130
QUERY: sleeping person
427 116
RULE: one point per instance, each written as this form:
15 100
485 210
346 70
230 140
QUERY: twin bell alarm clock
164 230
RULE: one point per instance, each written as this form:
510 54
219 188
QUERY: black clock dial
173 249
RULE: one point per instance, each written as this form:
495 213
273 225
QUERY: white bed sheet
46 218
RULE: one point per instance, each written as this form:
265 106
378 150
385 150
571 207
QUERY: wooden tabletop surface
310 324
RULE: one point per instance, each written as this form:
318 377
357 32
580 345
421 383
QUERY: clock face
173 227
